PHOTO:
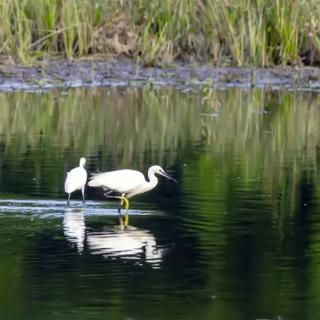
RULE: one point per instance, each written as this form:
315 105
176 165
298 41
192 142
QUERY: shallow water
236 238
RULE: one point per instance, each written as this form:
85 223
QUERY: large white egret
128 183
76 180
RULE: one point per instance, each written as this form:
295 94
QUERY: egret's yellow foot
126 203
126 219
123 199
120 226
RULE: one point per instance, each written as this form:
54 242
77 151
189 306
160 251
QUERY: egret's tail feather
93 183
95 180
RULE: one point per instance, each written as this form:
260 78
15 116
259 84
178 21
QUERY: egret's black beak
169 177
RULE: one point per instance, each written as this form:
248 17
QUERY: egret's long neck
153 180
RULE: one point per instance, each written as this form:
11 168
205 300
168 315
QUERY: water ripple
57 208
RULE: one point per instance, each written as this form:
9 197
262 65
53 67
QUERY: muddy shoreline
62 73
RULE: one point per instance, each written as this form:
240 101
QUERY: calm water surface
237 238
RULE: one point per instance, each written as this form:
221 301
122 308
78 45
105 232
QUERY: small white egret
128 183
76 180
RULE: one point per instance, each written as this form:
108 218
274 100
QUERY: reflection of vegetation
124 123
249 190
271 134
264 143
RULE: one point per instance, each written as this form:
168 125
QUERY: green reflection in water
247 165
264 129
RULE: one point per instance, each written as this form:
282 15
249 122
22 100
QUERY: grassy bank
226 32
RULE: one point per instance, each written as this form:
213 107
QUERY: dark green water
237 238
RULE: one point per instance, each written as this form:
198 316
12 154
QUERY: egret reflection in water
74 227
134 244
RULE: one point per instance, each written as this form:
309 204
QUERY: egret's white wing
122 181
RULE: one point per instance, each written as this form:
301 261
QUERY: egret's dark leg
120 215
68 201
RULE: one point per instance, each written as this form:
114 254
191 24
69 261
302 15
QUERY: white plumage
76 180
128 182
